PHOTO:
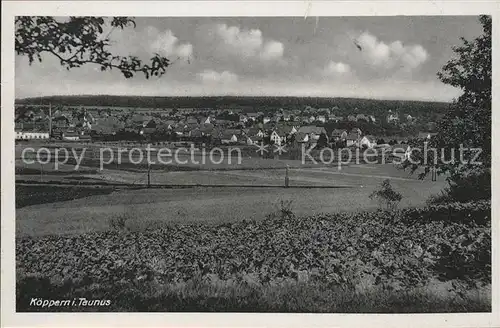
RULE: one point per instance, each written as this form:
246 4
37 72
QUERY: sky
365 57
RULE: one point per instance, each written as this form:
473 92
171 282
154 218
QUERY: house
196 133
251 140
185 111
339 134
361 117
206 129
60 122
278 137
312 131
70 135
147 131
253 116
426 135
321 118
191 121
334 118
180 129
229 137
170 124
31 135
84 137
372 118
410 119
367 141
222 122
358 131
243 119
393 118
205 120
302 137
266 119
312 118
257 132
351 118
324 110
352 139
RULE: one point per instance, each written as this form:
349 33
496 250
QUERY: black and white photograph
336 164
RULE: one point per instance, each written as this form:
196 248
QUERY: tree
467 124
322 141
78 41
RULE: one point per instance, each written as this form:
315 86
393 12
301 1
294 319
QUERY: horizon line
240 96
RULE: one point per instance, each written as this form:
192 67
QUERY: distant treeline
346 106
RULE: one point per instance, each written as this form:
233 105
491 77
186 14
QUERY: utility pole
50 120
287 180
149 174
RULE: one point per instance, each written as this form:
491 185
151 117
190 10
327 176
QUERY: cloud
379 54
336 69
211 76
167 44
272 50
248 43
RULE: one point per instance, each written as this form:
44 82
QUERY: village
228 126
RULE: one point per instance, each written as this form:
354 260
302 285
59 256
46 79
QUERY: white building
28 135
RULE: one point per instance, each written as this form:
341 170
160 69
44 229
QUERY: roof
352 136
253 131
228 135
206 128
300 136
424 135
338 132
233 131
283 129
71 134
308 129
196 133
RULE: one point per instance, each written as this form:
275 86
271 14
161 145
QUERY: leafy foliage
79 41
391 250
466 125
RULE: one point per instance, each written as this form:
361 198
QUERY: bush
386 196
472 186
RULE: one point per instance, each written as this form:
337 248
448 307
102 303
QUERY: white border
222 8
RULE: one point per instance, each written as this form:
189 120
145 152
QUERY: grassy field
221 204
224 193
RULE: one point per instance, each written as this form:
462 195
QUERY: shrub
387 196
119 223
284 210
471 186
